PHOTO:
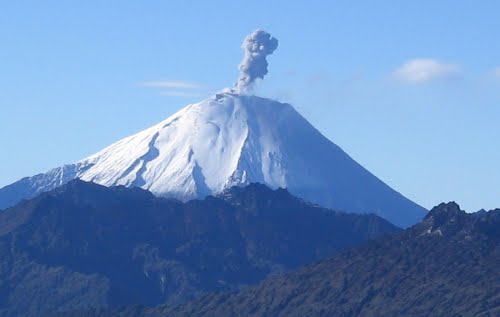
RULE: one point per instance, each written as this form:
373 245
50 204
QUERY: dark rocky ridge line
84 245
447 265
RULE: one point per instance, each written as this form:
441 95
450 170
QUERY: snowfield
229 140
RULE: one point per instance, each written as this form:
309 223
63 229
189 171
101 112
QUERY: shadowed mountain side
447 265
85 245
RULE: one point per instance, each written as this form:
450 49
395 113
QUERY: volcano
230 140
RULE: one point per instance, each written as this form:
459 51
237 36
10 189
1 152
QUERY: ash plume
257 46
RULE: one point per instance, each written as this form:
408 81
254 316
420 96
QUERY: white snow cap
257 45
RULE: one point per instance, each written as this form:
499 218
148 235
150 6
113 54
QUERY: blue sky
411 90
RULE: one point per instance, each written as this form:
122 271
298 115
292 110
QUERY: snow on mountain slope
228 140
191 154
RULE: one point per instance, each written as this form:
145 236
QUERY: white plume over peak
232 139
257 46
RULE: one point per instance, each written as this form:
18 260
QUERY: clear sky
410 89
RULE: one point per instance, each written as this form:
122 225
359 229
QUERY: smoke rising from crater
257 46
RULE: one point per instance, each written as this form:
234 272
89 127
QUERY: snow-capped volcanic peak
229 140
232 139
204 148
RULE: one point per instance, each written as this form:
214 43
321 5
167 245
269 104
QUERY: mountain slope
85 245
445 266
232 140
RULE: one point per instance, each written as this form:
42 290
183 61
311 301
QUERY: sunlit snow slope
230 140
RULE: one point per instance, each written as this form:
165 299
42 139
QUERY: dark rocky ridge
84 245
447 265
